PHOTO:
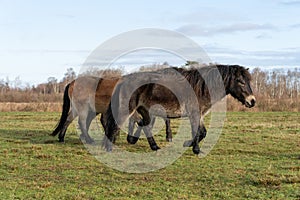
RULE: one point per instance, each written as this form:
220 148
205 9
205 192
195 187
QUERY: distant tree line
275 89
50 91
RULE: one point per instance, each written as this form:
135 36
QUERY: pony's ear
247 69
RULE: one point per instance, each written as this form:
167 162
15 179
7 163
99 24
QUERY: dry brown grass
262 105
30 107
265 105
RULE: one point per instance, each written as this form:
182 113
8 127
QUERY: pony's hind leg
150 138
148 131
201 134
84 121
194 120
62 133
90 117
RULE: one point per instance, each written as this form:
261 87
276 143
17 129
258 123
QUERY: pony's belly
102 103
167 110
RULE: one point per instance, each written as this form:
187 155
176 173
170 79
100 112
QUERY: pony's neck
225 72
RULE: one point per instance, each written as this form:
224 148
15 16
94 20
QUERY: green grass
256 157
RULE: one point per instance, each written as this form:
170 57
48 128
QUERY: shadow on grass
35 137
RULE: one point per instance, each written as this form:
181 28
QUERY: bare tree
69 75
52 85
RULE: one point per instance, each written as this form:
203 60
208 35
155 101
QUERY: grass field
256 157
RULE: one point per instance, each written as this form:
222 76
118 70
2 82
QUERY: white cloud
197 30
290 3
282 57
263 36
295 26
208 14
43 51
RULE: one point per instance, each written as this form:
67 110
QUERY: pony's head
239 86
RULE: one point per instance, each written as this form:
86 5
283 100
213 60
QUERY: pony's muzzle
250 101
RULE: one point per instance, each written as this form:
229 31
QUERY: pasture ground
256 157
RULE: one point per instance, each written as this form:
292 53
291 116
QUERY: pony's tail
65 112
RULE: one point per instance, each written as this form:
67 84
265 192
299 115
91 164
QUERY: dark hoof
90 141
131 139
107 144
108 149
155 147
196 150
82 137
169 139
188 143
61 140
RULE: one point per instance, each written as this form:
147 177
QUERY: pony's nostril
250 101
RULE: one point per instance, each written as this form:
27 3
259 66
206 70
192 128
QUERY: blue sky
40 39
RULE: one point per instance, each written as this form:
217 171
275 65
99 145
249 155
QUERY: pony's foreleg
133 138
168 130
148 132
138 131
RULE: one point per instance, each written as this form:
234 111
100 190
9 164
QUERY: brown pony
84 97
205 86
87 97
